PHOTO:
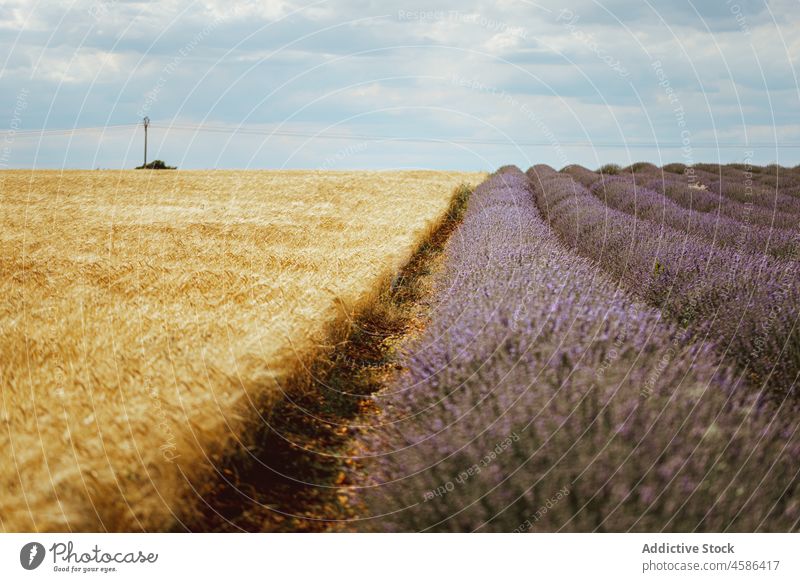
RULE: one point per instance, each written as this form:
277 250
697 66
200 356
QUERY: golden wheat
145 315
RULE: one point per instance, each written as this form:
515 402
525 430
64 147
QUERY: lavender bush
542 397
748 303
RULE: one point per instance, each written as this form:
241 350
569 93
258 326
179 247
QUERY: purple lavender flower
542 396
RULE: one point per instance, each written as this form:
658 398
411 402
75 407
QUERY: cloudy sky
368 84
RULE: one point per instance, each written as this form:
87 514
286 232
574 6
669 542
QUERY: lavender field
603 351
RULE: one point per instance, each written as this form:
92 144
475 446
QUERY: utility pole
146 122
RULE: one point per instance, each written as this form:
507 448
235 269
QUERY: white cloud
503 42
227 10
81 66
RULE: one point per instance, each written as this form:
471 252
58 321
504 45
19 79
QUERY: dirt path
300 475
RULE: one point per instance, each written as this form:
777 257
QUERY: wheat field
146 315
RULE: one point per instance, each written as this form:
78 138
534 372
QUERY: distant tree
156 165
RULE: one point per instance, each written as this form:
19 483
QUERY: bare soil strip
298 473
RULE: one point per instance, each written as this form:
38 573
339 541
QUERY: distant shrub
638 167
675 168
713 168
740 167
156 165
610 169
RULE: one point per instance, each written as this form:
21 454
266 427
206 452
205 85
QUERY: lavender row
763 196
704 200
765 187
769 189
785 180
542 397
623 194
583 175
748 303
739 205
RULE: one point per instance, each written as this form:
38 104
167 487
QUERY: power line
21 134
462 140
